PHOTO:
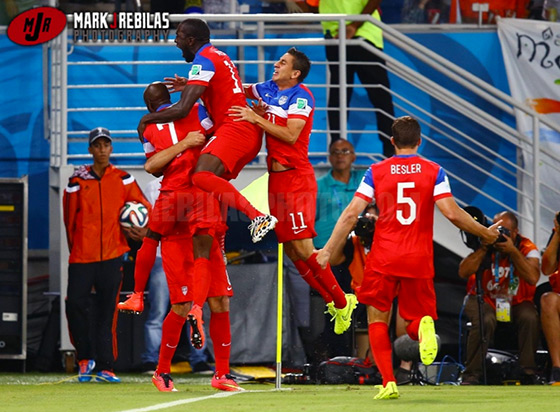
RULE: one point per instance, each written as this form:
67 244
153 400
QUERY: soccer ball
133 214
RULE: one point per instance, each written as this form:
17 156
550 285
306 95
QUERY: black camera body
470 240
558 217
364 229
503 231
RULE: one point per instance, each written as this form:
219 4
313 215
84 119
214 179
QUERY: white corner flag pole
279 317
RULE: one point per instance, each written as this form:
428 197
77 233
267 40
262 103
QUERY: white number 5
402 199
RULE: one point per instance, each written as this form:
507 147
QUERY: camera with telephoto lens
503 231
470 240
364 229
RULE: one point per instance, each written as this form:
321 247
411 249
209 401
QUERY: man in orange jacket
92 201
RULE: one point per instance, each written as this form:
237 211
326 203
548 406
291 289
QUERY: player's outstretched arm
288 133
189 96
343 226
456 215
157 162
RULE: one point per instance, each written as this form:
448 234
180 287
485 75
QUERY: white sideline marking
181 402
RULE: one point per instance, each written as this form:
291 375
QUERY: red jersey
405 189
294 103
214 69
159 136
507 282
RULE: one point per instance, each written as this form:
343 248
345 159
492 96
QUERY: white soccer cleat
261 225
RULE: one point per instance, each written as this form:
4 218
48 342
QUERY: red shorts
164 213
176 257
235 144
178 264
199 210
292 198
417 297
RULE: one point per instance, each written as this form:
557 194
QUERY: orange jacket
91 213
522 290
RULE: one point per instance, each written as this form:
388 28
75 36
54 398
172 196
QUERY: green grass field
62 393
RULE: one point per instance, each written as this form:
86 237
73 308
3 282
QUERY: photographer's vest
368 31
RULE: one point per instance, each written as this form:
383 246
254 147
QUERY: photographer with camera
550 302
509 272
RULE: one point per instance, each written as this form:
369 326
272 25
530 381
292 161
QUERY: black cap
98 132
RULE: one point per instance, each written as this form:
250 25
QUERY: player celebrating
190 132
214 78
287 123
405 188
178 200
198 215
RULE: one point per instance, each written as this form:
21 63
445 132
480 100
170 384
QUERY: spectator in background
335 189
550 302
424 11
509 275
536 11
348 265
369 68
92 202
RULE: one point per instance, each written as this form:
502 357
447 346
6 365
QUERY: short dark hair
199 29
511 216
301 63
406 132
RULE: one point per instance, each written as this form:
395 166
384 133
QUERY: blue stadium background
26 151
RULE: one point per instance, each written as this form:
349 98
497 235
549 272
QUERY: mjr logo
36 26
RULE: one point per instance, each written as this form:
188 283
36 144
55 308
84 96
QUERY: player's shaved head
155 95
196 28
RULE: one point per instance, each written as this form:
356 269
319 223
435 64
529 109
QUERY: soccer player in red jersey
287 122
177 164
405 188
165 147
189 223
214 79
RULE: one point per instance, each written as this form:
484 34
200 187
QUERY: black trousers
93 329
380 97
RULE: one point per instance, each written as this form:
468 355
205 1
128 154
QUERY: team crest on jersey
282 100
195 70
301 103
184 290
